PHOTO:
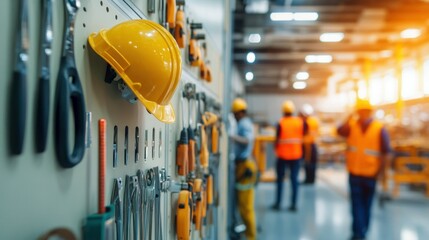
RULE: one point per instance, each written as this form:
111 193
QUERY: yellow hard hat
238 105
288 107
147 58
362 104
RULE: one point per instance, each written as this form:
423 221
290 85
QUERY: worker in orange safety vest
288 144
368 148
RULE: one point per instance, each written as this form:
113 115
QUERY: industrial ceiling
369 29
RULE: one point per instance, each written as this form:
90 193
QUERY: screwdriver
190 95
182 148
179 30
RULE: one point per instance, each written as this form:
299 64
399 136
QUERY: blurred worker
245 167
309 143
290 133
368 147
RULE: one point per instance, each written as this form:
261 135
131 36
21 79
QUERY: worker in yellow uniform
290 133
309 143
245 167
368 148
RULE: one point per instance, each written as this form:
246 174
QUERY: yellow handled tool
184 215
182 149
197 214
171 13
209 189
204 151
215 139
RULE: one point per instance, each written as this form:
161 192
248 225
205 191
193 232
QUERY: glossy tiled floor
323 213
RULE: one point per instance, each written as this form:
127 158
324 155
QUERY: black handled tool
18 90
42 103
69 93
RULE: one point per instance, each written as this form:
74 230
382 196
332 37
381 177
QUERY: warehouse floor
323 212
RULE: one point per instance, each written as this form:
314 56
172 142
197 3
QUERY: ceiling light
318 58
302 75
281 16
299 85
332 37
249 76
411 33
251 57
305 16
255 38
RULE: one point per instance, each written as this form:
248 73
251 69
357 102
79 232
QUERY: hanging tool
160 144
115 146
151 6
146 145
126 146
194 52
136 145
127 205
171 14
141 179
148 203
116 201
203 70
215 139
182 152
101 224
209 189
158 223
88 122
184 215
189 93
135 206
69 93
101 163
153 143
179 30
18 90
43 93
204 151
197 198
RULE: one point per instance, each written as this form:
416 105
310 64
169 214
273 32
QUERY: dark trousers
362 191
310 164
293 165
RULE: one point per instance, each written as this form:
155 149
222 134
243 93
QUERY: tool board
39 195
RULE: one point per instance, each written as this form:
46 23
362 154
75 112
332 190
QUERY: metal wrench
116 200
157 190
135 206
127 205
141 179
148 202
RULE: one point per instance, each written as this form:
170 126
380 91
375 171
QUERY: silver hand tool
116 200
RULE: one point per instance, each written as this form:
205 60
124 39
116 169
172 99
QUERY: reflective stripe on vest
364 150
289 144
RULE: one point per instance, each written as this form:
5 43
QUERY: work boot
292 209
276 207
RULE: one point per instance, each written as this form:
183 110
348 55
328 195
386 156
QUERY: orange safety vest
289 143
363 149
313 130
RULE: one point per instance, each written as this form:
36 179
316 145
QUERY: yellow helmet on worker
147 58
288 107
363 104
238 105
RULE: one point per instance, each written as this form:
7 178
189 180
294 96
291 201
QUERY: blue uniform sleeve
385 141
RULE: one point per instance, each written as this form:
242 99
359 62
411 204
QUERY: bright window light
299 85
249 76
318 58
411 33
290 16
410 83
251 57
426 77
281 16
376 90
332 37
362 92
255 38
305 16
302 75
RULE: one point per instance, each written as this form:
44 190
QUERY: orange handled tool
179 30
183 215
191 150
210 189
182 154
204 151
203 70
101 164
171 13
208 74
197 216
215 139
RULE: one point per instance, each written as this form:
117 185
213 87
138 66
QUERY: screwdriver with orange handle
182 152
215 139
194 56
209 189
197 214
184 215
179 29
189 93
171 14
